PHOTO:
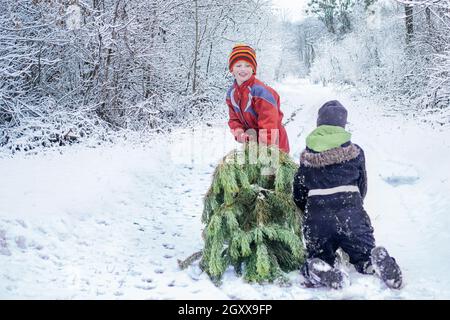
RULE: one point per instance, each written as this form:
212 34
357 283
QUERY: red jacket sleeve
235 124
268 120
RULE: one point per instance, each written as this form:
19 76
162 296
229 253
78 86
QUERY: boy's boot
322 273
386 268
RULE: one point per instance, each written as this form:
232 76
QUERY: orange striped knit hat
242 51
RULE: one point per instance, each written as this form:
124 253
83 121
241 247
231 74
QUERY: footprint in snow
102 222
44 256
36 246
159 270
171 283
3 245
147 284
146 287
21 242
174 283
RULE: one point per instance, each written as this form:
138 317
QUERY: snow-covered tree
403 60
140 65
335 14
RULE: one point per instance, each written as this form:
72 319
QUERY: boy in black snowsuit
329 188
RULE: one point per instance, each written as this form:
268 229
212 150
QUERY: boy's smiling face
242 71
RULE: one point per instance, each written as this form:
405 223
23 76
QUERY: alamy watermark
209 145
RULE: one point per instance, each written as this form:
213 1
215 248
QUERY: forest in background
397 50
73 70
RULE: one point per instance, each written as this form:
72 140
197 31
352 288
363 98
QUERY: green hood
326 137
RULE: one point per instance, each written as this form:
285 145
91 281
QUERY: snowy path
111 222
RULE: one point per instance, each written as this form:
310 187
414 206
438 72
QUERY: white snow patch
111 222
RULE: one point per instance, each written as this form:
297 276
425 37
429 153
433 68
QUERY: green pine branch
251 220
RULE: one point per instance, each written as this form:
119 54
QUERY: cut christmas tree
251 220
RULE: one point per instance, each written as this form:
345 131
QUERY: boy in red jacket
254 108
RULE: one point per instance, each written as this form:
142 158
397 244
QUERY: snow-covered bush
53 126
141 65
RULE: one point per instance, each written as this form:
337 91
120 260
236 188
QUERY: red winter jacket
254 105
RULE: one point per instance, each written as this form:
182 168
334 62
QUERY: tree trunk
209 58
428 19
106 86
197 36
409 23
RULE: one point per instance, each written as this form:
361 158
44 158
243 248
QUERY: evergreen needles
251 220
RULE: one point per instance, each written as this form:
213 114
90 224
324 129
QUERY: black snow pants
338 220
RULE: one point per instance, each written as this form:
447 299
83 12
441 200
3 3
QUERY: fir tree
251 220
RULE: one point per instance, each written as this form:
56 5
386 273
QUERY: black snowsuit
338 219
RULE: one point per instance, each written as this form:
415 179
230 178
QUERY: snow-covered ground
111 222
